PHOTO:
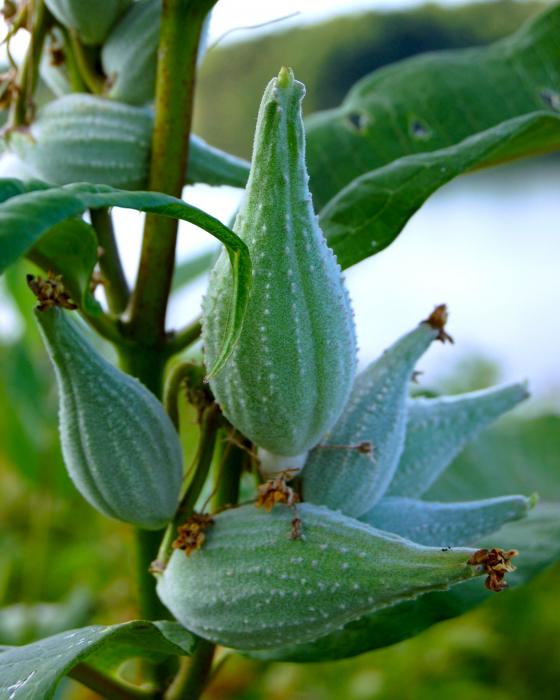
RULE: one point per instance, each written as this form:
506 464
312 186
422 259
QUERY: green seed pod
291 372
91 20
82 138
446 524
54 72
129 56
253 587
119 446
438 429
354 465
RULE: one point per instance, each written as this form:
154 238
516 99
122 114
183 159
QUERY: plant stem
192 679
84 63
76 81
117 291
181 339
175 82
22 107
109 688
209 425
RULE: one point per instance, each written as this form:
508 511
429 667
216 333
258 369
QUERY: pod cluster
364 538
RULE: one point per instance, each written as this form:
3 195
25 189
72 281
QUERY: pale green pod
252 586
119 446
291 372
55 77
129 56
445 524
83 138
438 429
354 464
91 20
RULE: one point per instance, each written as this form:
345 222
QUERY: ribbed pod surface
339 474
119 446
290 375
252 586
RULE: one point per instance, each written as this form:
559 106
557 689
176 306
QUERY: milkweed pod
291 372
129 56
253 587
83 138
353 466
446 524
119 446
438 429
91 20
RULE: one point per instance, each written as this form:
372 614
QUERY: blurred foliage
330 57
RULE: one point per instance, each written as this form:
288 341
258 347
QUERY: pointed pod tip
285 77
437 320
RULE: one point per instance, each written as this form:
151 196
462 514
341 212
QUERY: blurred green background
62 565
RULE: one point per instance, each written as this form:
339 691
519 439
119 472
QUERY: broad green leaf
537 538
33 671
26 218
434 101
191 269
368 214
436 524
70 249
212 166
519 456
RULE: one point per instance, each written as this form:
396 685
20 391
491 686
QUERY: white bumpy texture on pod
119 446
252 587
290 375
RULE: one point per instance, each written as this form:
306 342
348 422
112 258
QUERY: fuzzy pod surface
353 466
446 524
292 370
253 587
119 446
84 138
438 429
91 20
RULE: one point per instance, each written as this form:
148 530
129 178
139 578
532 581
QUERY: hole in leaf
358 121
550 98
419 130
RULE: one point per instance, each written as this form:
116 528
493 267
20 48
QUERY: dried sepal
192 534
275 491
50 292
496 563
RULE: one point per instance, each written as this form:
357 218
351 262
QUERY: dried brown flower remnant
275 491
50 292
496 563
437 320
192 534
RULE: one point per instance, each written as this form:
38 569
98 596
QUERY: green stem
23 106
209 425
181 339
84 63
76 82
173 116
117 291
191 377
192 680
106 687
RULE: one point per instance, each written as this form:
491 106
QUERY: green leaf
537 538
368 214
70 249
520 455
33 671
434 101
26 218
